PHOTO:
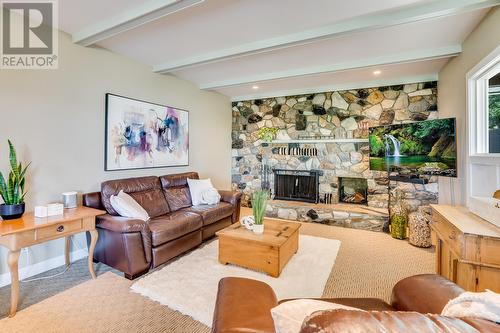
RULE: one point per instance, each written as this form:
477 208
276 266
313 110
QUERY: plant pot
10 212
258 228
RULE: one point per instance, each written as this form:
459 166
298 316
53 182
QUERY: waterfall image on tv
425 147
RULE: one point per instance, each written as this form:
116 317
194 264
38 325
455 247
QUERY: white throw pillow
126 206
485 305
197 187
289 316
210 196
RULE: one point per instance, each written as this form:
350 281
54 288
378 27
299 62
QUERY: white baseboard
43 266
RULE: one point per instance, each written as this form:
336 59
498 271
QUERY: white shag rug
189 284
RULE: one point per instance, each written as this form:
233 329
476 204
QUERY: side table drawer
58 229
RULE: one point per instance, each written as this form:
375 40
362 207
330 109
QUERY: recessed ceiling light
255 87
377 72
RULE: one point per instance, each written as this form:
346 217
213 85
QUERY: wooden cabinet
467 248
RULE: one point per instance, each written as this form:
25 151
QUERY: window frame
477 136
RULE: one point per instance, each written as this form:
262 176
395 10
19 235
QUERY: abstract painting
144 135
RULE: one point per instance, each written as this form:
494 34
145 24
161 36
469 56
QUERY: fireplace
353 190
298 185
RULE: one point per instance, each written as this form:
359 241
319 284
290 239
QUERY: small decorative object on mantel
419 230
12 190
399 217
248 222
259 202
267 134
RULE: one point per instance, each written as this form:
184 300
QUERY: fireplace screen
353 190
299 185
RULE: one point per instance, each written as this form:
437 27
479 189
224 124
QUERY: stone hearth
342 215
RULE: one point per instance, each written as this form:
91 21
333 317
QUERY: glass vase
399 219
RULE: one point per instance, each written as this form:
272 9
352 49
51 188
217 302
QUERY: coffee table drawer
58 229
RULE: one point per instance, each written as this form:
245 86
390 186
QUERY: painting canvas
144 135
425 147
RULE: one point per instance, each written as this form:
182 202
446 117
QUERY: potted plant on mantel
12 188
267 134
259 202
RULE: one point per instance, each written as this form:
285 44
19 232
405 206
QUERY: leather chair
244 305
134 246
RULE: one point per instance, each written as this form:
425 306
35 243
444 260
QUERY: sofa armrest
425 293
230 196
243 305
234 198
93 200
124 225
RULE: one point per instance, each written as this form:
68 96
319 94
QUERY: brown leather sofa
243 305
134 246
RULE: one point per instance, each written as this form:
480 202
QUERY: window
483 129
494 114
483 94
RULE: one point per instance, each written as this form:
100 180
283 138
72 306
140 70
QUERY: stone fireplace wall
343 114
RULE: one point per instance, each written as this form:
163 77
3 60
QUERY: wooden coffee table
268 252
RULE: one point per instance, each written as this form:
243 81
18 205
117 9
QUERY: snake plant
12 189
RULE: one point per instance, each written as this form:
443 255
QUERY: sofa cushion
176 189
145 190
382 322
173 225
212 213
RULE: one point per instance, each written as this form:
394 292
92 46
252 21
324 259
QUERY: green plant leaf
10 189
3 187
13 159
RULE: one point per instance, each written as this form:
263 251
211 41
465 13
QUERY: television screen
426 148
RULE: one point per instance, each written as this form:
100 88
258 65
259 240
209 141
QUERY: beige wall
452 93
56 120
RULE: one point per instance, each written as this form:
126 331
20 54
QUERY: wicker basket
419 230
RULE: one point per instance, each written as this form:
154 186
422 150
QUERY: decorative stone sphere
419 230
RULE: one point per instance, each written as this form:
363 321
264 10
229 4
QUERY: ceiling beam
337 87
402 15
130 19
390 59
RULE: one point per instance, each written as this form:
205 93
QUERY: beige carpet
368 265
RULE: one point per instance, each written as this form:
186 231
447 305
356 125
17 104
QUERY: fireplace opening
298 185
353 190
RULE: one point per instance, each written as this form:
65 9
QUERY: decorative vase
258 228
11 212
419 230
399 218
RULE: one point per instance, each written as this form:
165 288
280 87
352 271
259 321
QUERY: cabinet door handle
60 228
452 236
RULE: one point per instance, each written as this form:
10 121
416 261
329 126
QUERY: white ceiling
282 46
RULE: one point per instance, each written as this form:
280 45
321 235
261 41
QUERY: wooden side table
30 230
467 248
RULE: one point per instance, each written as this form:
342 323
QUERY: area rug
189 284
